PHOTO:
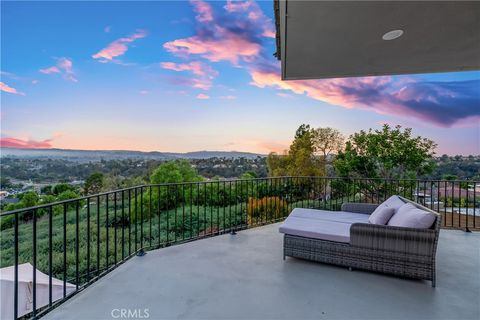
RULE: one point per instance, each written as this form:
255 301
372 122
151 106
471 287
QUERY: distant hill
98 155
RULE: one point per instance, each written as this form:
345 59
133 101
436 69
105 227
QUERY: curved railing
80 240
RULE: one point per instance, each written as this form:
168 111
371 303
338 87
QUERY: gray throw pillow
381 215
394 202
412 217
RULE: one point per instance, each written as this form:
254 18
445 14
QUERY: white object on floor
25 290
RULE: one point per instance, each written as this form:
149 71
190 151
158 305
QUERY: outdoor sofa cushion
317 229
339 216
393 202
321 224
410 216
381 215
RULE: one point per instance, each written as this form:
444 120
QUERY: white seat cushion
321 224
339 216
317 229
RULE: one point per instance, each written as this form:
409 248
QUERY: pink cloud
118 47
443 104
18 78
228 46
284 95
236 6
254 13
204 11
202 96
63 66
228 97
144 92
234 36
6 88
50 70
205 73
10 142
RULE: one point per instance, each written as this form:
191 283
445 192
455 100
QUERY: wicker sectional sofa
346 238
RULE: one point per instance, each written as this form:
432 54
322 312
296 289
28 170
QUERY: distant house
10 200
447 189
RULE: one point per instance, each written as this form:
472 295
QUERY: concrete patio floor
244 277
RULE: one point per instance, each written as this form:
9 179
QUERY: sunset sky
185 76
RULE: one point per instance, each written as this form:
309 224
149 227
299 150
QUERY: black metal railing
80 240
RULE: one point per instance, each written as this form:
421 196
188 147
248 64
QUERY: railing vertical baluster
183 211
459 205
438 196
98 235
136 220
176 224
241 202
229 205
453 199
277 199
64 250
474 204
115 222
88 239
141 218
445 201
106 231
466 210
168 213
257 196
218 207
247 199
15 284
129 222
270 197
205 209
324 196
50 255
123 224
431 195
77 242
212 185
198 210
191 212
150 215
34 254
159 217
224 205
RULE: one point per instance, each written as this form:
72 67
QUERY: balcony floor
244 277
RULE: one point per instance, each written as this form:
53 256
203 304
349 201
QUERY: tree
46 190
248 175
94 183
62 187
387 153
300 159
327 141
29 199
67 195
174 172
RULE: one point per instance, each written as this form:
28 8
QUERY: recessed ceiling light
392 35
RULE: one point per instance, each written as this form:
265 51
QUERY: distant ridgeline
98 155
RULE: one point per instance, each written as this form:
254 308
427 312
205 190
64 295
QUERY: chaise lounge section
402 240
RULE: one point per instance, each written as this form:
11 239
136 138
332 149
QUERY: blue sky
185 76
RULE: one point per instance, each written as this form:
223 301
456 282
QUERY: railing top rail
94 196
